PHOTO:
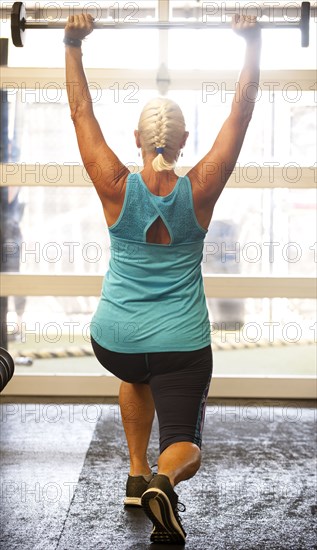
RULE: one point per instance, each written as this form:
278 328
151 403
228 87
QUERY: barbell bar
20 24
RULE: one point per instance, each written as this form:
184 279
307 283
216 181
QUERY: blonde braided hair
162 126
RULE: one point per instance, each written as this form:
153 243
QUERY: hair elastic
160 150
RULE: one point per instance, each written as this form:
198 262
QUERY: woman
151 327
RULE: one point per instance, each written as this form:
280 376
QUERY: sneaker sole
158 508
132 501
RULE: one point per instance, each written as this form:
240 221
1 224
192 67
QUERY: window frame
216 286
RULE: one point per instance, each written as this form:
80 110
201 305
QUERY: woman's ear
137 139
183 143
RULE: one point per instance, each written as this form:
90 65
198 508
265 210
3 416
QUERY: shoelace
181 507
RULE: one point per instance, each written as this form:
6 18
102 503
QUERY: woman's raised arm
213 171
104 168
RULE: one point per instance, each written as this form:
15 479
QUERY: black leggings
179 382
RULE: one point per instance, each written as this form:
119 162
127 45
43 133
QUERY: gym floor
64 466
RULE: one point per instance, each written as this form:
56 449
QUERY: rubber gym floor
64 465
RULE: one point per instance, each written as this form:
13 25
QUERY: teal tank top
152 297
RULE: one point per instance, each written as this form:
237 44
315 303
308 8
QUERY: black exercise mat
255 490
42 453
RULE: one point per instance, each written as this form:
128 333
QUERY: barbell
20 23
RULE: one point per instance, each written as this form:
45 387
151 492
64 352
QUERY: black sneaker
135 487
160 503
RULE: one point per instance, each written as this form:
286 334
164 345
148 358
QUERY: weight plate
304 23
4 378
6 368
5 355
18 24
3 381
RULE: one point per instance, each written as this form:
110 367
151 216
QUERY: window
263 222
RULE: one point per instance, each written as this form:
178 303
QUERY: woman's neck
159 183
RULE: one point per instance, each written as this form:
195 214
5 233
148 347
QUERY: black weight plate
4 365
4 375
304 23
6 368
3 381
18 24
5 355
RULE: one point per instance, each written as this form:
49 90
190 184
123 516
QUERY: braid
160 134
162 125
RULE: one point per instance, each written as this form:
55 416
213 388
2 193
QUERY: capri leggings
179 382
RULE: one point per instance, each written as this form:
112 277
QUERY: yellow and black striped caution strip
57 353
217 345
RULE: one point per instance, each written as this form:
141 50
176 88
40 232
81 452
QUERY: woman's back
159 184
155 289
